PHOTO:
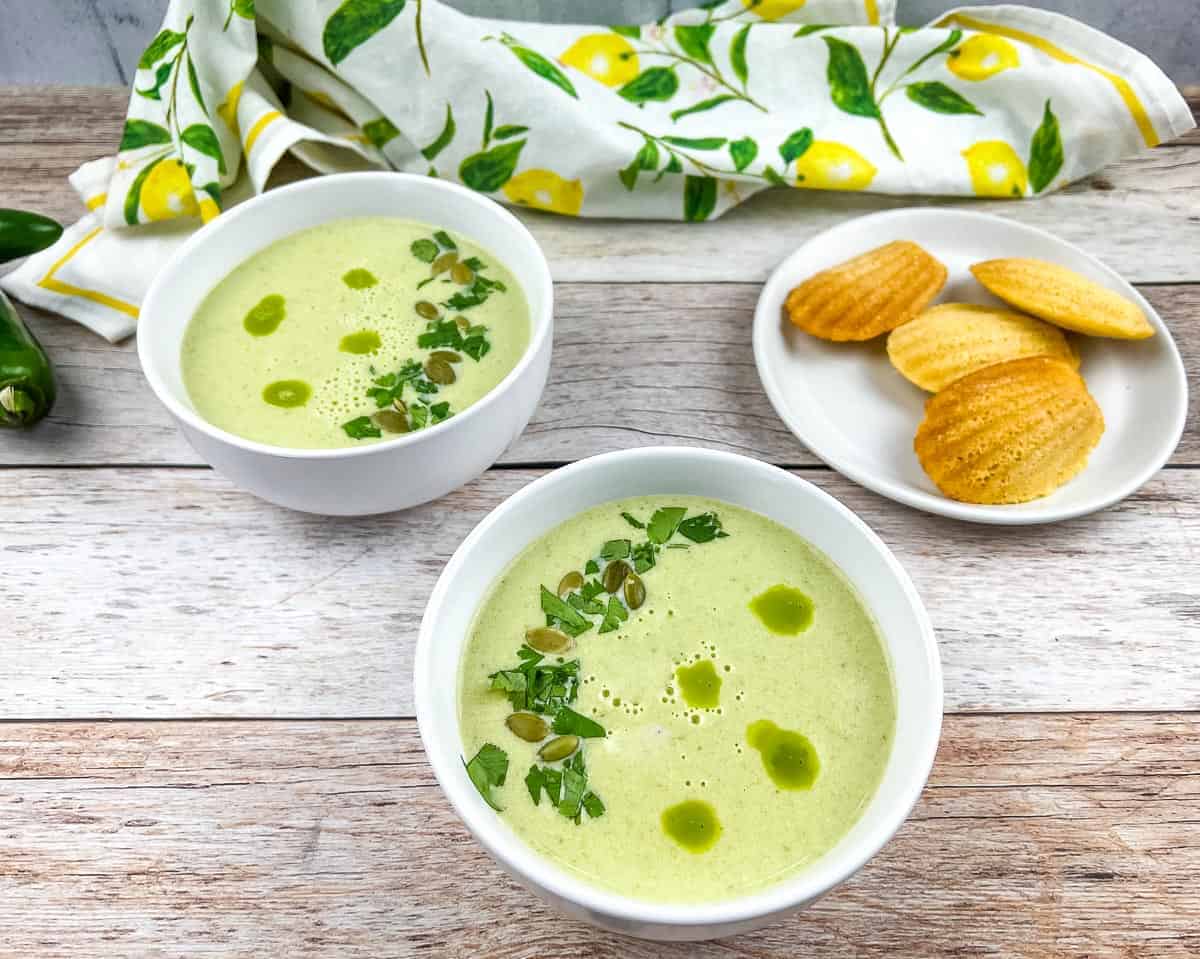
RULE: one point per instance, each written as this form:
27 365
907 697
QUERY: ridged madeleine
1009 433
950 340
1064 298
871 294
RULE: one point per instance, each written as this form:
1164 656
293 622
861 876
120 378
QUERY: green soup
712 711
351 332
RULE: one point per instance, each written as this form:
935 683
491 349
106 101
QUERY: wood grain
151 593
684 374
1038 836
1121 213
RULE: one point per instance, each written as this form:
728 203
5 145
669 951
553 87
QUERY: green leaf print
796 145
693 40
848 83
194 83
808 28
214 191
656 83
742 152
696 143
200 137
243 8
737 54
140 133
772 176
161 76
646 159
627 30
354 23
1045 152
699 197
159 47
940 98
489 170
489 118
443 138
703 105
380 131
540 65
508 131
133 199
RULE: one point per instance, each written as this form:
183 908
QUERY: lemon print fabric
545 190
606 57
982 56
826 165
995 169
167 192
773 9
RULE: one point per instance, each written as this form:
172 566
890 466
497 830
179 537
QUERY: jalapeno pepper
23 233
27 387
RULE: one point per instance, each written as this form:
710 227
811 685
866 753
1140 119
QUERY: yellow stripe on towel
259 125
50 282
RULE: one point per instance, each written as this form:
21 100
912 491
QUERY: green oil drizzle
700 685
359 279
287 393
784 610
693 824
364 341
265 316
788 757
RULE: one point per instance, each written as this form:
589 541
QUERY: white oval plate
847 404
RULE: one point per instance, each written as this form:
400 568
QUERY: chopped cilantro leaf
592 805
614 615
615 549
592 567
569 722
476 347
633 521
418 416
440 411
562 615
473 263
440 333
424 250
702 529
643 557
592 588
488 770
538 686
444 240
574 785
361 428
591 607
664 522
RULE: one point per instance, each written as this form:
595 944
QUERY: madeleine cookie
868 295
950 340
1064 298
1009 433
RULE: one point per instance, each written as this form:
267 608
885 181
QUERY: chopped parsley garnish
543 777
537 686
615 549
614 616
663 523
591 568
567 789
561 615
633 521
424 250
568 722
702 529
388 393
488 770
444 240
361 428
643 557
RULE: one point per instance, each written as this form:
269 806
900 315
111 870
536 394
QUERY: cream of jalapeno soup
676 699
353 331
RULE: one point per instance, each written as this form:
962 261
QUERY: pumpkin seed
401 406
426 310
547 639
444 262
614 575
463 323
569 583
528 726
440 371
635 591
447 356
559 748
461 273
390 421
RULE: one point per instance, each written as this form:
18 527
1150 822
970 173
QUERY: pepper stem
16 405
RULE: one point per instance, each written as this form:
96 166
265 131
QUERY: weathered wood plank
152 593
1038 836
1138 215
683 373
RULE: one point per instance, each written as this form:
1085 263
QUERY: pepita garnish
528 726
445 262
569 583
463 323
447 356
426 310
546 639
614 575
390 421
559 748
635 591
400 405
439 371
462 274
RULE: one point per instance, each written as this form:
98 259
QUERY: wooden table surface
206 736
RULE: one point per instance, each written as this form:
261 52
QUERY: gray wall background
99 41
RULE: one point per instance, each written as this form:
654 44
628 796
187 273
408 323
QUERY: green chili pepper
27 387
23 233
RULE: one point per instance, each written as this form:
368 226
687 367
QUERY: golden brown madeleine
1064 298
868 295
950 340
1009 433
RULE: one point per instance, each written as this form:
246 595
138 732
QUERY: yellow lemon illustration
606 57
983 56
209 209
995 168
827 165
228 110
545 190
167 192
772 9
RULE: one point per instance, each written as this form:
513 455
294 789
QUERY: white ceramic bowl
788 500
378 477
